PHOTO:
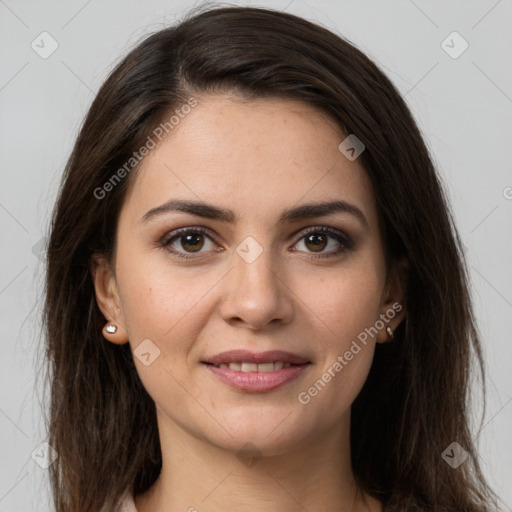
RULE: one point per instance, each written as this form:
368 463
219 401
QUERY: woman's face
262 274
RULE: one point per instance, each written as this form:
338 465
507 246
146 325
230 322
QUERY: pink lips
254 381
235 356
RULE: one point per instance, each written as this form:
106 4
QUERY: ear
393 300
107 298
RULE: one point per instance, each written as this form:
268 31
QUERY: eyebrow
208 211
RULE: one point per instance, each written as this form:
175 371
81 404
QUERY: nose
256 293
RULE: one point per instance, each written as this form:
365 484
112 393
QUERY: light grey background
463 106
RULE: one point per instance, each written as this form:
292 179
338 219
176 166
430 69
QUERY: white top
127 504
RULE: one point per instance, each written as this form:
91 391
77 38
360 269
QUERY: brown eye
316 242
318 239
192 243
188 241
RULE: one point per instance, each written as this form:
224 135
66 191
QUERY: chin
267 436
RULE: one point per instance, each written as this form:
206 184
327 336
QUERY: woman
256 297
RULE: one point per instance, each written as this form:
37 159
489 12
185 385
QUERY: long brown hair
415 402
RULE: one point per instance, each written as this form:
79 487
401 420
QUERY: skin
255 158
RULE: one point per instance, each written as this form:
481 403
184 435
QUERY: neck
198 476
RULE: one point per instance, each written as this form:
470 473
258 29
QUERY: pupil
318 242
192 240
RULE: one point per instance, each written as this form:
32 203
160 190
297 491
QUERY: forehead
264 153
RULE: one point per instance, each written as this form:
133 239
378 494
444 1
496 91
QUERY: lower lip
257 382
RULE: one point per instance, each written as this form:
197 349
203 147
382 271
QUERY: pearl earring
390 332
111 328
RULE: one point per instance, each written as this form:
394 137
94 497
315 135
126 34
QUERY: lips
252 372
251 361
246 367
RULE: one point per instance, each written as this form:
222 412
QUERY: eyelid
340 236
176 233
181 232
346 240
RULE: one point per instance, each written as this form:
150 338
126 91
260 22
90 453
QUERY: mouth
256 372
247 358
246 367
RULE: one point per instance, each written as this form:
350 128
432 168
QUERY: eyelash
344 240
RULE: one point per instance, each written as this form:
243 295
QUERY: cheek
346 303
346 308
156 298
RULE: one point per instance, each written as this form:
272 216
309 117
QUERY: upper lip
270 356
